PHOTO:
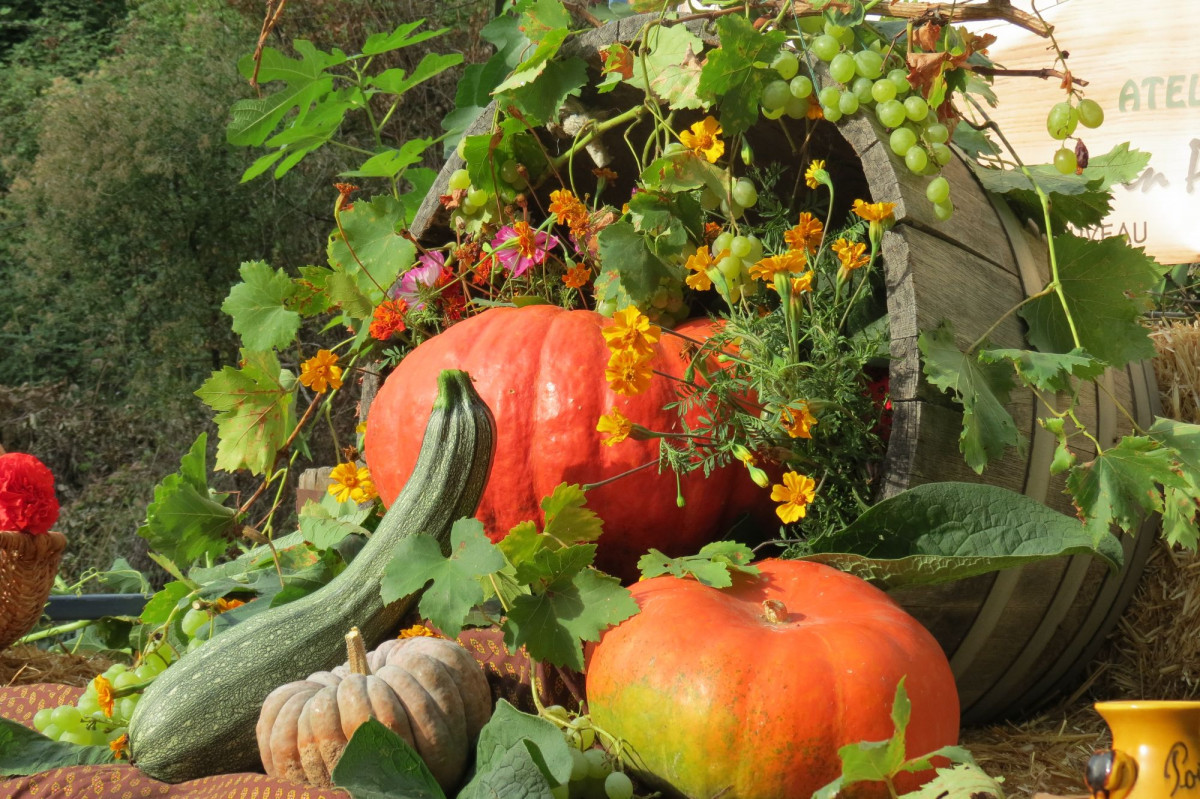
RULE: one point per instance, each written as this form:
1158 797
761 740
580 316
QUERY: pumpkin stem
774 611
356 652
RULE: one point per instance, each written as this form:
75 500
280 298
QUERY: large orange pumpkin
541 371
721 695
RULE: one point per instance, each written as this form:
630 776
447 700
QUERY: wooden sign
1141 66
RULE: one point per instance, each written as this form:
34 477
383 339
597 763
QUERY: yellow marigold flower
628 372
704 139
797 420
851 254
698 263
351 481
615 427
814 173
321 372
104 694
631 330
118 746
802 283
806 235
794 495
418 631
874 212
791 261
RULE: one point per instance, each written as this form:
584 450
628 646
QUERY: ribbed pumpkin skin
718 700
198 718
541 371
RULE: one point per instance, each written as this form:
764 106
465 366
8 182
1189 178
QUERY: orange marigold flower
577 276
388 319
321 372
628 372
874 212
711 231
794 495
703 138
814 111
789 261
631 330
223 604
351 481
604 173
615 427
802 283
104 694
418 631
118 746
797 420
814 173
807 233
851 254
699 263
569 211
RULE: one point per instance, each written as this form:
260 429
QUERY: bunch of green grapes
666 306
595 774
1061 123
86 723
733 256
478 205
861 82
742 194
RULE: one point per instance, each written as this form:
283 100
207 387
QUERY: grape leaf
324 531
1121 485
552 623
158 608
624 251
1182 437
1119 165
24 751
533 66
543 97
1105 283
379 251
665 48
474 89
568 520
185 522
960 780
732 72
711 566
982 389
1047 371
254 412
1179 514
454 588
509 727
516 774
378 764
544 17
259 309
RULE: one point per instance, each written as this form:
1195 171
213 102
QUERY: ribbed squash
198 718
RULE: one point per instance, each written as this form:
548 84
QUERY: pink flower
519 247
425 273
27 500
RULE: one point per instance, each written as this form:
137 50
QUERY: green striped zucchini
198 717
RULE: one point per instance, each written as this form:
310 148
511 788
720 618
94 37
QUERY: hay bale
27 664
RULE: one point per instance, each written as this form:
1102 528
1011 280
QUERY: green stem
597 129
647 465
1055 282
53 631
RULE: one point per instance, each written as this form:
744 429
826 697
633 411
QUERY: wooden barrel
1014 638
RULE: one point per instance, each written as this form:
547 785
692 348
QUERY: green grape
125 680
193 621
832 114
1061 120
937 133
1065 161
915 108
744 193
941 154
1091 115
732 209
606 308
722 242
477 197
510 171
618 786
113 670
674 147
800 86
829 96
811 24
943 210
123 707
741 247
460 179
41 719
862 89
80 737
848 103
899 79
773 114
833 29
148 670
796 108
842 68
659 298
916 159
890 113
52 731
868 63
579 765
938 190
88 704
883 90
775 94
195 644
845 36
708 199
786 64
730 267
902 140
756 250
598 765
587 735
825 47
66 716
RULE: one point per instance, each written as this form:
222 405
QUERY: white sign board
1141 65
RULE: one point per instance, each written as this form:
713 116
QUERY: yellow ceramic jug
1155 751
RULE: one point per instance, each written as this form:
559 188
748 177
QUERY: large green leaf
372 252
378 764
254 405
940 532
509 727
732 72
24 751
982 388
259 309
1047 371
1105 283
401 37
667 63
625 251
542 98
1121 485
397 81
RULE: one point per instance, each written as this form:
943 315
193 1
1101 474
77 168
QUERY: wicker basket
28 565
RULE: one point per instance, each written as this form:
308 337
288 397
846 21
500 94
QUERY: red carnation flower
27 500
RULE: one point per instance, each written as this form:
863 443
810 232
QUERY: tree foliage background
123 222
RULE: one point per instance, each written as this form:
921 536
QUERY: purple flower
425 273
519 247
